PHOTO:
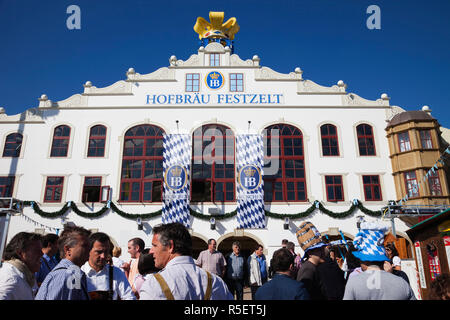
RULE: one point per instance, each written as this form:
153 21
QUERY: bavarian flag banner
176 166
250 188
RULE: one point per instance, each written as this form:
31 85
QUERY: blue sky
409 58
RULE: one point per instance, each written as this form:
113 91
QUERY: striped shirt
213 262
65 282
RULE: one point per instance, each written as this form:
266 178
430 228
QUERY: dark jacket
401 274
282 287
332 278
309 276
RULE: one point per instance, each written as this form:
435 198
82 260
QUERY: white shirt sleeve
123 286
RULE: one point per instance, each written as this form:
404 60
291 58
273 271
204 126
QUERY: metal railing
394 210
10 205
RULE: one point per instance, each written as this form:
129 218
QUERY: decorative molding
236 61
391 112
44 102
162 74
353 99
193 61
76 100
267 74
214 47
310 87
33 115
119 88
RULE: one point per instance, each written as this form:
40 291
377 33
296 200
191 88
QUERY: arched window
366 142
97 138
13 144
213 164
60 144
142 165
284 167
330 144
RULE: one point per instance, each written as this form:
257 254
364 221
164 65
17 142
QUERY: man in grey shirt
236 271
377 284
374 283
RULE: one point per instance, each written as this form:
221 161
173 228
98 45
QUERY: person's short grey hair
237 244
178 234
69 238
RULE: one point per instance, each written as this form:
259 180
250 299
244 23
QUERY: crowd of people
80 265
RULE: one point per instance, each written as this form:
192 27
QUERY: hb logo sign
175 177
214 80
250 177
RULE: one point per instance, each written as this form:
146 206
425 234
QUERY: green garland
97 214
133 216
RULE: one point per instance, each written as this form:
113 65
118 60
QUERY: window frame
97 137
212 181
329 137
236 81
190 82
434 176
143 158
14 144
366 137
408 190
334 185
54 187
284 181
60 138
214 59
10 185
427 139
404 145
372 185
92 186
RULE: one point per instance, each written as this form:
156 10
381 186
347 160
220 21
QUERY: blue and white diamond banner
176 166
250 186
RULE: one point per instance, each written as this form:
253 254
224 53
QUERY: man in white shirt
180 278
104 281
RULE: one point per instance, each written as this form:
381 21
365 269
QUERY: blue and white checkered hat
369 242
